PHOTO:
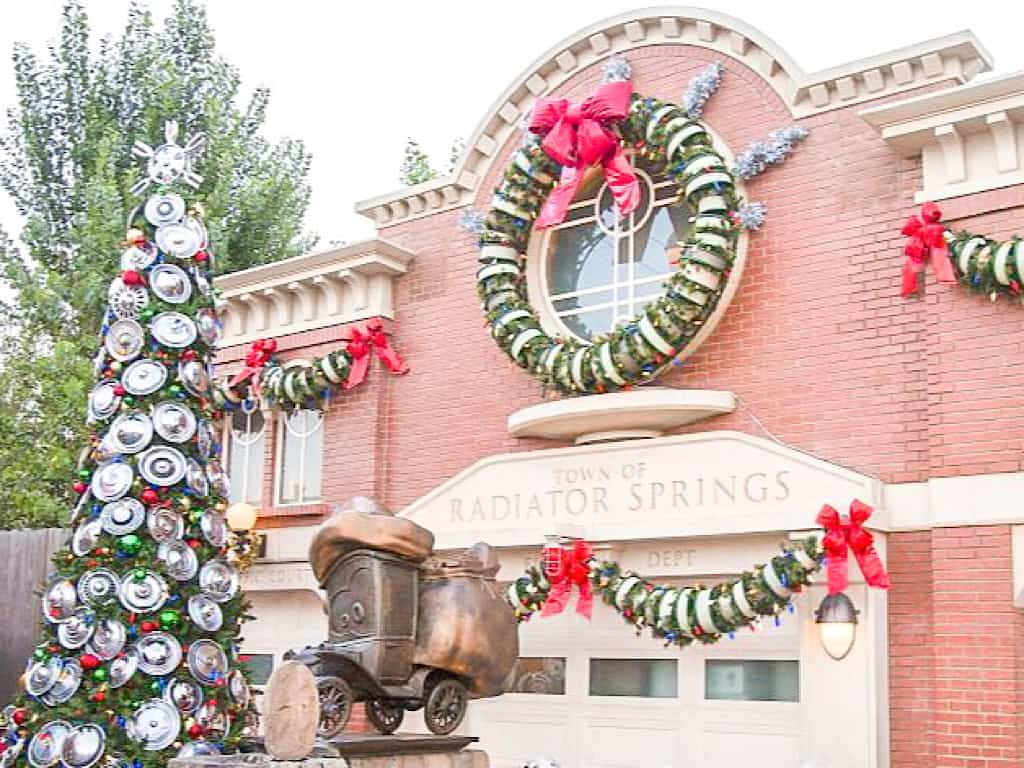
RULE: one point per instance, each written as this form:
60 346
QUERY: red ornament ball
80 487
3 747
131 277
149 626
89 661
99 696
19 716
120 391
188 354
194 543
195 730
149 496
200 256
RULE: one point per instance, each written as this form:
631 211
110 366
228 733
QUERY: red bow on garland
257 358
564 568
361 343
926 239
843 534
576 136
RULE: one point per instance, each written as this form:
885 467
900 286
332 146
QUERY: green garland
680 616
986 265
310 385
636 352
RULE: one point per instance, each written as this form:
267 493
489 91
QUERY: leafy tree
66 162
416 166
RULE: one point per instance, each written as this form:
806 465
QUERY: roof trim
958 56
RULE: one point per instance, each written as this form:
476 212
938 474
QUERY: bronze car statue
406 630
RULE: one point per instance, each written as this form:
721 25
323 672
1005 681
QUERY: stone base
360 751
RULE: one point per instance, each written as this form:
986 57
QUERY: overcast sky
353 79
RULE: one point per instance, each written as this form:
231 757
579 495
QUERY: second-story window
246 446
300 455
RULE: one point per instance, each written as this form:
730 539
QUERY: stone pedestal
360 751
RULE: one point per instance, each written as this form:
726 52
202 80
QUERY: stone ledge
466 758
642 412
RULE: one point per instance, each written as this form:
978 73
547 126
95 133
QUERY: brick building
817 383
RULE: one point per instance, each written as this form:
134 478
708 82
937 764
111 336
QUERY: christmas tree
137 659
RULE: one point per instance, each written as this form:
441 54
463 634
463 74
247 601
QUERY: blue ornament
778 622
732 635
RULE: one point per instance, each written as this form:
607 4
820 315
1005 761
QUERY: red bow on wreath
565 568
576 136
256 359
361 343
843 534
926 239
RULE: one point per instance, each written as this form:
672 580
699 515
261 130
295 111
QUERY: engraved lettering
456 510
576 501
782 484
756 491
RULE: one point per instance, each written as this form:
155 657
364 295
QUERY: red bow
842 534
926 239
360 343
259 355
565 568
576 136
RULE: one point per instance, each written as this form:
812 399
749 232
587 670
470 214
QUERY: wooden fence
24 565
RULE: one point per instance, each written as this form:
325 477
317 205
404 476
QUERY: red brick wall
818 346
955 650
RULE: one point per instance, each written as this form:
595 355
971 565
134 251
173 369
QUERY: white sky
354 79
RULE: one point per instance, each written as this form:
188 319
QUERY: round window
601 269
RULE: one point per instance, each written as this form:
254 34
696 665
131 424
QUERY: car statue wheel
385 717
335 705
445 706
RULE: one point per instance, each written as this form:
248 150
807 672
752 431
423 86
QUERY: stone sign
690 485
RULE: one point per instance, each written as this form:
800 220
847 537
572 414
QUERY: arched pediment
958 57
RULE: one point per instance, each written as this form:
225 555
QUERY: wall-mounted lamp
241 516
836 618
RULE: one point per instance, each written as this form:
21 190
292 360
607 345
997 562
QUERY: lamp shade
836 618
241 516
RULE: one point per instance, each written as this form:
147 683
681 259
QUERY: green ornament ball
84 474
175 389
99 674
146 314
155 686
139 574
129 544
195 515
169 619
39 654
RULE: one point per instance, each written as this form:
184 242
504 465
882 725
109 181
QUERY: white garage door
594 695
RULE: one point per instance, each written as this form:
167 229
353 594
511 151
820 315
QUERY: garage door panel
621 744
748 749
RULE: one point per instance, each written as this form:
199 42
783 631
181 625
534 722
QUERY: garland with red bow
264 375
567 140
981 263
704 614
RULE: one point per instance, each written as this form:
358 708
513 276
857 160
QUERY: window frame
228 440
279 450
537 255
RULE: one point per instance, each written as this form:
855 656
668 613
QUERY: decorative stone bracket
969 138
347 284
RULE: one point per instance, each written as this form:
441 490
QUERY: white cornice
969 137
956 57
341 285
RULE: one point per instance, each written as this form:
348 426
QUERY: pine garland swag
681 616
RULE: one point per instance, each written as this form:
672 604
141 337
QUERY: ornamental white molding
637 413
342 285
970 138
956 57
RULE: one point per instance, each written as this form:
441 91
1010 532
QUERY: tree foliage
66 161
416 167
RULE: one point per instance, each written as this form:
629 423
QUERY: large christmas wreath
573 138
